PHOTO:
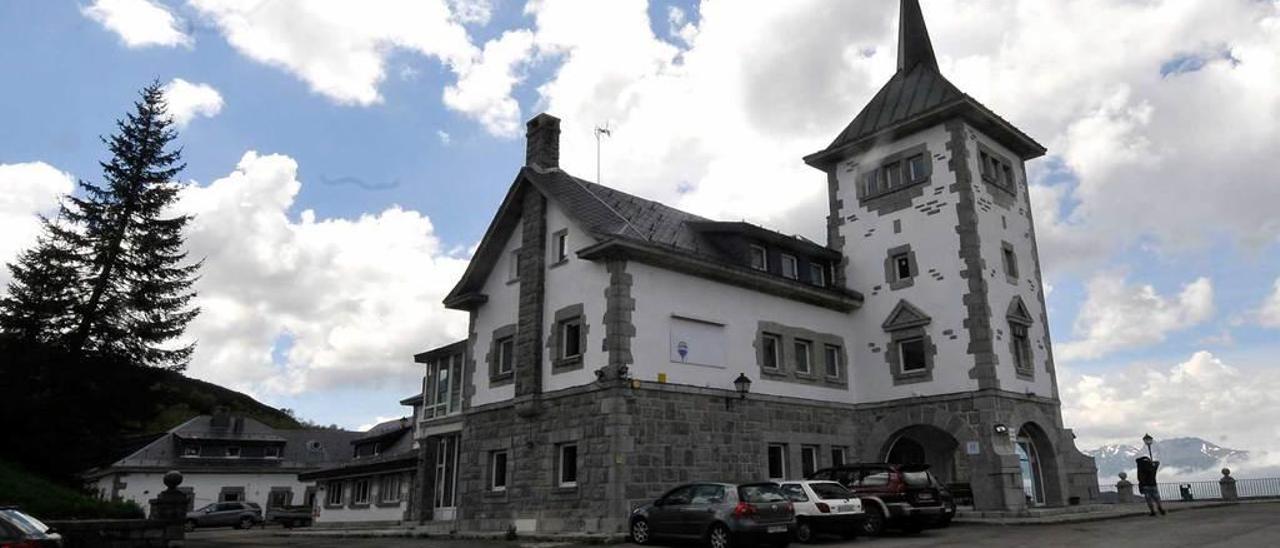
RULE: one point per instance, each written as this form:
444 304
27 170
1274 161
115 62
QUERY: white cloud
1268 315
1117 316
356 298
1201 397
472 12
444 136
187 100
29 189
483 90
139 23
340 49
376 421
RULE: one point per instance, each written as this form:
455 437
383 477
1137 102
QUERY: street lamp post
1147 439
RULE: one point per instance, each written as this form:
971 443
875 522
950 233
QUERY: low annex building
224 458
373 487
606 331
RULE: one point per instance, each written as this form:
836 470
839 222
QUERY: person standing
1147 484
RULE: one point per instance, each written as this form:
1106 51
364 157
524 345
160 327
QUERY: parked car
19 529
824 507
290 516
905 496
721 514
241 515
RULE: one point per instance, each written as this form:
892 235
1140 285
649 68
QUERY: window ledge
513 281
565 490
361 506
495 495
564 363
914 372
900 188
558 263
772 371
995 183
388 504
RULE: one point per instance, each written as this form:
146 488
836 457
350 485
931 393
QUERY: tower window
560 247
1009 259
911 354
832 358
790 267
817 274
902 266
804 356
918 168
769 346
758 258
1021 347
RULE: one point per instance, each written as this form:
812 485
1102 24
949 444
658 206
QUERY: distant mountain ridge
1188 454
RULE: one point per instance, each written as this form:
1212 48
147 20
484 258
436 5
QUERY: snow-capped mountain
1185 454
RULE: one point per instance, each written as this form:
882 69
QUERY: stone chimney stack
542 142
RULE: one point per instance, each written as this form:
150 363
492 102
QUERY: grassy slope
45 499
179 398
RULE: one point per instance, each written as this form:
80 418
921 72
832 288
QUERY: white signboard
972 448
697 342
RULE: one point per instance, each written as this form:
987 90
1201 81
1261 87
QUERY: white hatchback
824 507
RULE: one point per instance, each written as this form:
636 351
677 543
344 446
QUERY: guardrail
1209 490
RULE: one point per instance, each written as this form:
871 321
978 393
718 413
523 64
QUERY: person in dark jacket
1147 484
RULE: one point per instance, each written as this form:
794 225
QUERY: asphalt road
1246 525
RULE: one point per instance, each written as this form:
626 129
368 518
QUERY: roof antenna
606 132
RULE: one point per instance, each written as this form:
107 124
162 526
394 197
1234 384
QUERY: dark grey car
241 515
722 514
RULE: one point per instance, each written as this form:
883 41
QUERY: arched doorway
1038 462
924 444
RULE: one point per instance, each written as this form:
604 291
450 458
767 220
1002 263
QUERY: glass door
446 478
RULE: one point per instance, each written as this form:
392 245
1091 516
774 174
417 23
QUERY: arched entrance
1038 462
924 444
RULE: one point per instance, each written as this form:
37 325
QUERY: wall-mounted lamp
743 385
1002 429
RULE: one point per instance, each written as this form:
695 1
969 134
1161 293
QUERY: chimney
542 142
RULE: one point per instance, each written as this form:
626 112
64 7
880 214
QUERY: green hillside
48 500
178 398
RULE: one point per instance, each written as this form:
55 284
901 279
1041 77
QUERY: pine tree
132 290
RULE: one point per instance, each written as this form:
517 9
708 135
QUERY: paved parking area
1234 526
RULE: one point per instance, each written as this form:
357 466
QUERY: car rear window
917 479
829 491
24 524
760 492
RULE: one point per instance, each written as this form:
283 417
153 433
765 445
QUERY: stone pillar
170 506
1124 489
1228 486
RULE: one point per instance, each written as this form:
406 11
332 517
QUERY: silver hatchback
721 514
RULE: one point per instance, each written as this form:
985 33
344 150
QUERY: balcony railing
1210 490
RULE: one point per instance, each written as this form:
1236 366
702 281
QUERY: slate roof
398 455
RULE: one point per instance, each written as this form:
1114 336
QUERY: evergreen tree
131 296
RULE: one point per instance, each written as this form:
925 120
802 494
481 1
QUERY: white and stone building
606 331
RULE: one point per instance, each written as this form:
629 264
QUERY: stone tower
928 204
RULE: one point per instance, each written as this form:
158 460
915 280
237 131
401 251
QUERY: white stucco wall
661 294
143 486
992 230
868 237
501 309
371 513
576 281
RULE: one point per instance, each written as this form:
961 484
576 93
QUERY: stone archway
927 444
1038 459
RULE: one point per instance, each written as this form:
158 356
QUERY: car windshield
207 507
27 524
917 479
830 490
761 492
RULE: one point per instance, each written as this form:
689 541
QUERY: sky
344 158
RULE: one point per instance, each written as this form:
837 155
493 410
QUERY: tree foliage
109 275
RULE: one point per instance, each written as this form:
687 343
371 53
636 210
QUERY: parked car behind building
721 514
241 515
17 528
905 496
824 507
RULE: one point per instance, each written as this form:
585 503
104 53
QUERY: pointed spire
914 46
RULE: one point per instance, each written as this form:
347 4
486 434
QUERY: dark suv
721 514
906 496
241 515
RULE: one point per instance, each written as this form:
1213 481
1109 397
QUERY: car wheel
189 526
640 533
719 537
245 522
804 531
874 525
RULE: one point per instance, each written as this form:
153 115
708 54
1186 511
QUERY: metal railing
1209 490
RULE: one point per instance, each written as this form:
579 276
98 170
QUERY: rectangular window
919 170
808 460
334 496
360 491
871 183
272 452
817 274
804 353
911 354
1010 261
1008 175
759 259
506 355
498 470
567 465
191 451
790 267
513 271
837 456
561 246
831 358
777 462
570 338
233 452
770 345
902 266
438 398
892 175
1021 347
389 488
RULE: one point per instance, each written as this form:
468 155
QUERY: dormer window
817 274
790 267
272 452
758 258
233 452
191 451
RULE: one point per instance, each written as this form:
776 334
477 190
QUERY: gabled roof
608 215
1017 312
919 96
